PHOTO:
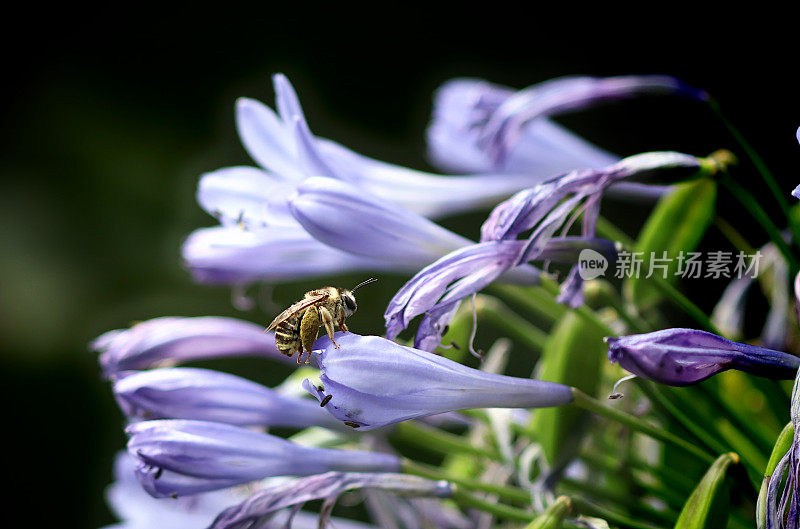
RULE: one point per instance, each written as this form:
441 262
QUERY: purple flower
172 340
371 382
206 395
283 145
680 357
138 510
261 507
481 127
180 457
438 288
230 255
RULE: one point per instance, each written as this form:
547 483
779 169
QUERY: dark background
110 115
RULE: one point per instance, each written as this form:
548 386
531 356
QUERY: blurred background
109 117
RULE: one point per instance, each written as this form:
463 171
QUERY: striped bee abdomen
287 336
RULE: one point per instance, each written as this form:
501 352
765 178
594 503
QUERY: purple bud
371 382
173 340
186 457
259 508
679 357
207 395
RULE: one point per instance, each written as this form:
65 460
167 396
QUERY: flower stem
761 216
510 323
533 299
611 516
443 442
505 492
498 509
582 400
760 166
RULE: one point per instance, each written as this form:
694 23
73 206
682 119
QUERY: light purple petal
187 457
206 395
259 507
225 255
348 218
374 382
268 141
173 340
246 196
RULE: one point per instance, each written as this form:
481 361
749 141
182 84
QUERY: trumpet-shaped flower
206 395
230 255
284 146
173 340
138 510
370 382
679 357
180 457
481 127
261 507
438 288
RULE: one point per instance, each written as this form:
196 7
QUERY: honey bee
297 327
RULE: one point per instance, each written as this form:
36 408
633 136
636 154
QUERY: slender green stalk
687 305
733 236
439 441
584 401
620 498
500 510
614 517
761 216
505 492
610 231
510 323
761 167
534 300
656 395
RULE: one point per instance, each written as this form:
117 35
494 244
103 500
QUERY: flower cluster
217 450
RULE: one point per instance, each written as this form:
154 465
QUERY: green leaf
572 355
553 516
708 505
676 224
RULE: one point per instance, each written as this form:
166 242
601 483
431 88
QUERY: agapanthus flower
370 382
173 340
545 209
230 255
679 357
179 457
437 289
283 145
261 507
207 395
138 510
478 126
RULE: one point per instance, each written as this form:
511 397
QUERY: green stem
510 323
761 216
429 472
620 498
658 397
733 236
443 442
687 305
760 166
466 499
582 400
611 516
532 299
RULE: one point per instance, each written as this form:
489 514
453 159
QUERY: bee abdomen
287 336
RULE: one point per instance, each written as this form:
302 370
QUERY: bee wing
295 308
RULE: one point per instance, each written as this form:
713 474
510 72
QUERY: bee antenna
367 282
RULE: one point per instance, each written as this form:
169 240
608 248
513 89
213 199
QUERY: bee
297 327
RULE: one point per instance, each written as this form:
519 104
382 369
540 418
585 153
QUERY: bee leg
327 320
309 329
341 324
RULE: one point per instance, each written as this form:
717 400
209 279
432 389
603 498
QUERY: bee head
349 300
349 303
